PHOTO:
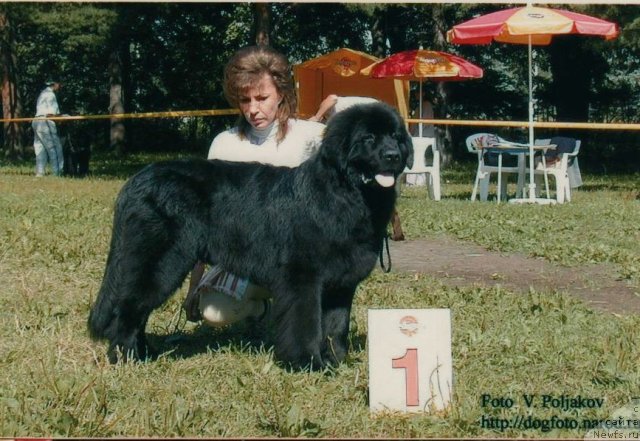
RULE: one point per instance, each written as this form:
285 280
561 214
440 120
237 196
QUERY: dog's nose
391 156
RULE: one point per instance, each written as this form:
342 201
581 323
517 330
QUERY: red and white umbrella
530 25
418 64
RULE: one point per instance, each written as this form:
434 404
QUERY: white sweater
302 140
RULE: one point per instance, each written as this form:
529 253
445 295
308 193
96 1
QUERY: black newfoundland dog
308 234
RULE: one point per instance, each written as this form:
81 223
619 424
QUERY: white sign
410 368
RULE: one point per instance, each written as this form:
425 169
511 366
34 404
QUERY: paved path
458 263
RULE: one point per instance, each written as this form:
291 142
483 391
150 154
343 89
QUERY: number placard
410 368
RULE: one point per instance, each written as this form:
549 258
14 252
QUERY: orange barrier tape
536 124
223 112
171 114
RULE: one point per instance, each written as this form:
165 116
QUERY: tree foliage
172 56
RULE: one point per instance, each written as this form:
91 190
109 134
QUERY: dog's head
369 143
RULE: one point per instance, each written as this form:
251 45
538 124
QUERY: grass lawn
54 236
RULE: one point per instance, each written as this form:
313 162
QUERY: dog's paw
307 365
143 353
302 362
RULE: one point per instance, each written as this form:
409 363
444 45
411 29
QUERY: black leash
385 243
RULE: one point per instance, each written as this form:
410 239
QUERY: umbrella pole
420 109
532 183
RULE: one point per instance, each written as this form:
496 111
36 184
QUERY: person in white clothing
261 145
333 104
46 142
257 80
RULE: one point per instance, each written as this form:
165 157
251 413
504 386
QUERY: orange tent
338 72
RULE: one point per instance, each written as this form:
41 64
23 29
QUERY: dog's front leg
298 327
336 312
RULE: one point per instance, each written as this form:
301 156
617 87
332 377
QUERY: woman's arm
325 105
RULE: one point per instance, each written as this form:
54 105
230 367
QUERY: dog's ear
336 143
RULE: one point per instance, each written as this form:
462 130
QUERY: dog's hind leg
116 318
146 264
140 294
336 312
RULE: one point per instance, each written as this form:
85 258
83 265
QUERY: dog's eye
368 139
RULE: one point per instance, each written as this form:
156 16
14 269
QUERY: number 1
409 362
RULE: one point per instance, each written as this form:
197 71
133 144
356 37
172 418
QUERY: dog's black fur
308 234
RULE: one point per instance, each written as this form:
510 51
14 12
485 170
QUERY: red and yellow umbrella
419 63
530 25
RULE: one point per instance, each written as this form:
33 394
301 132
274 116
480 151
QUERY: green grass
54 235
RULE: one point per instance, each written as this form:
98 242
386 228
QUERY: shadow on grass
103 165
460 197
247 337
623 186
111 166
358 342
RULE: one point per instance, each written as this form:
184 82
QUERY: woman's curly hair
246 68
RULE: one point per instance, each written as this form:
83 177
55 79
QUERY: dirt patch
463 264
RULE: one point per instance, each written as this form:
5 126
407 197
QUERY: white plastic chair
420 147
475 144
565 170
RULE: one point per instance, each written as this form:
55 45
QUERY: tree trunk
571 68
116 103
14 134
378 34
262 23
396 29
440 43
119 76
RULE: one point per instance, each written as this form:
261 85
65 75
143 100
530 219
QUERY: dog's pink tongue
385 179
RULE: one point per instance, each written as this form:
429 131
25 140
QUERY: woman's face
259 103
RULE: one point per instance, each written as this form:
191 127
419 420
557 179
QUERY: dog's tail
102 312
101 316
